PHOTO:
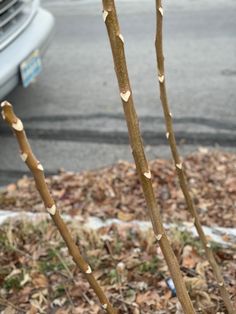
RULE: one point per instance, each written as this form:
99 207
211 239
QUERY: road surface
73 113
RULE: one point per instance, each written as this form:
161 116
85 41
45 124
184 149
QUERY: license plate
30 68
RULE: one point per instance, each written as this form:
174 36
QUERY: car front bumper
36 36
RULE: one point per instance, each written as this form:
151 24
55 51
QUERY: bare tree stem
117 47
38 173
177 160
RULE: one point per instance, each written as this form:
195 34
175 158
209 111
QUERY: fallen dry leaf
189 257
39 280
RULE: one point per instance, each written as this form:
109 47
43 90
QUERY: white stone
18 125
104 15
121 266
52 210
125 96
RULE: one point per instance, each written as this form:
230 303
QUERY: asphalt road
73 113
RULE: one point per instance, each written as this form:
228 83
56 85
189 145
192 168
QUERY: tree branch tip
121 38
5 103
125 96
89 270
52 210
167 135
148 174
104 15
179 166
161 78
161 11
40 167
104 306
18 125
159 236
23 156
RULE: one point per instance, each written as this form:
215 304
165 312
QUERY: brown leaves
115 191
39 280
195 284
150 298
230 185
127 262
189 257
125 216
9 310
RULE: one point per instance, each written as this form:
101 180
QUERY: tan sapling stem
178 163
37 171
117 47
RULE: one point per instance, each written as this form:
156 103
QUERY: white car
25 31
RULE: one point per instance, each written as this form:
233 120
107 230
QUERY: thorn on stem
161 11
167 135
23 156
18 125
52 210
104 306
5 103
89 270
179 166
104 15
208 245
121 38
161 78
221 284
125 96
170 114
159 236
3 115
40 167
148 174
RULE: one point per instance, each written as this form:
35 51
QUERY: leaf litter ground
38 276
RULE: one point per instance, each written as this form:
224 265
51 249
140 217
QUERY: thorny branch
177 160
38 172
117 47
